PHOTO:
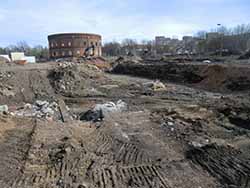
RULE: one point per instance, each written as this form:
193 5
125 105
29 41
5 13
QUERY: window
56 44
62 44
70 53
69 43
85 43
51 44
96 44
54 54
78 52
91 43
63 53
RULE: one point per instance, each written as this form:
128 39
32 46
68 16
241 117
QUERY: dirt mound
75 80
218 78
225 78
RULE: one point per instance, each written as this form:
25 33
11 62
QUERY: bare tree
112 49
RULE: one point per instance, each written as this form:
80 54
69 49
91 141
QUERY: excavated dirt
174 138
214 77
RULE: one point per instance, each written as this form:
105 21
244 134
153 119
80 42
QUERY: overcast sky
33 20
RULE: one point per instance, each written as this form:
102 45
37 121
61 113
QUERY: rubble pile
72 80
6 90
127 60
66 79
40 109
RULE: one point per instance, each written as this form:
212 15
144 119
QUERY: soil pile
218 78
73 80
225 78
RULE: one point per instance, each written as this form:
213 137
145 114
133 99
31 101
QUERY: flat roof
74 34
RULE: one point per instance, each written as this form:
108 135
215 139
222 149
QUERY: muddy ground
175 138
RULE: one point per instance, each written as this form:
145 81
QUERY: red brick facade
74 45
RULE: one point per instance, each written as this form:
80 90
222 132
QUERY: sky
33 20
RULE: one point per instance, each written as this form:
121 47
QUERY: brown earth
176 138
211 77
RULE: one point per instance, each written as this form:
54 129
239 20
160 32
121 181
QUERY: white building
30 59
17 56
6 57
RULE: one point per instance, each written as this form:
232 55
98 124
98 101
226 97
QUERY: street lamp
221 39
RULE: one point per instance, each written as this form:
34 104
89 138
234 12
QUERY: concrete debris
154 86
110 107
6 92
65 64
40 109
4 108
207 61
64 111
102 110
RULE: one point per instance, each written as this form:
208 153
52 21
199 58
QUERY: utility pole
221 39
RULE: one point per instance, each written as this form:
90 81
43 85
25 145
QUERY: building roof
74 34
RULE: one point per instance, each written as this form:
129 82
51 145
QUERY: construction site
96 122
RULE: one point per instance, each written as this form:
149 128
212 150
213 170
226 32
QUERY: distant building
30 59
187 39
7 57
17 56
212 35
161 41
75 45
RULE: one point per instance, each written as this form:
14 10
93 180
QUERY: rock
91 115
155 86
207 61
111 107
159 86
41 103
170 124
6 92
102 110
40 109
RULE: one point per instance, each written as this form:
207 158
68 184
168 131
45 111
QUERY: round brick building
74 45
